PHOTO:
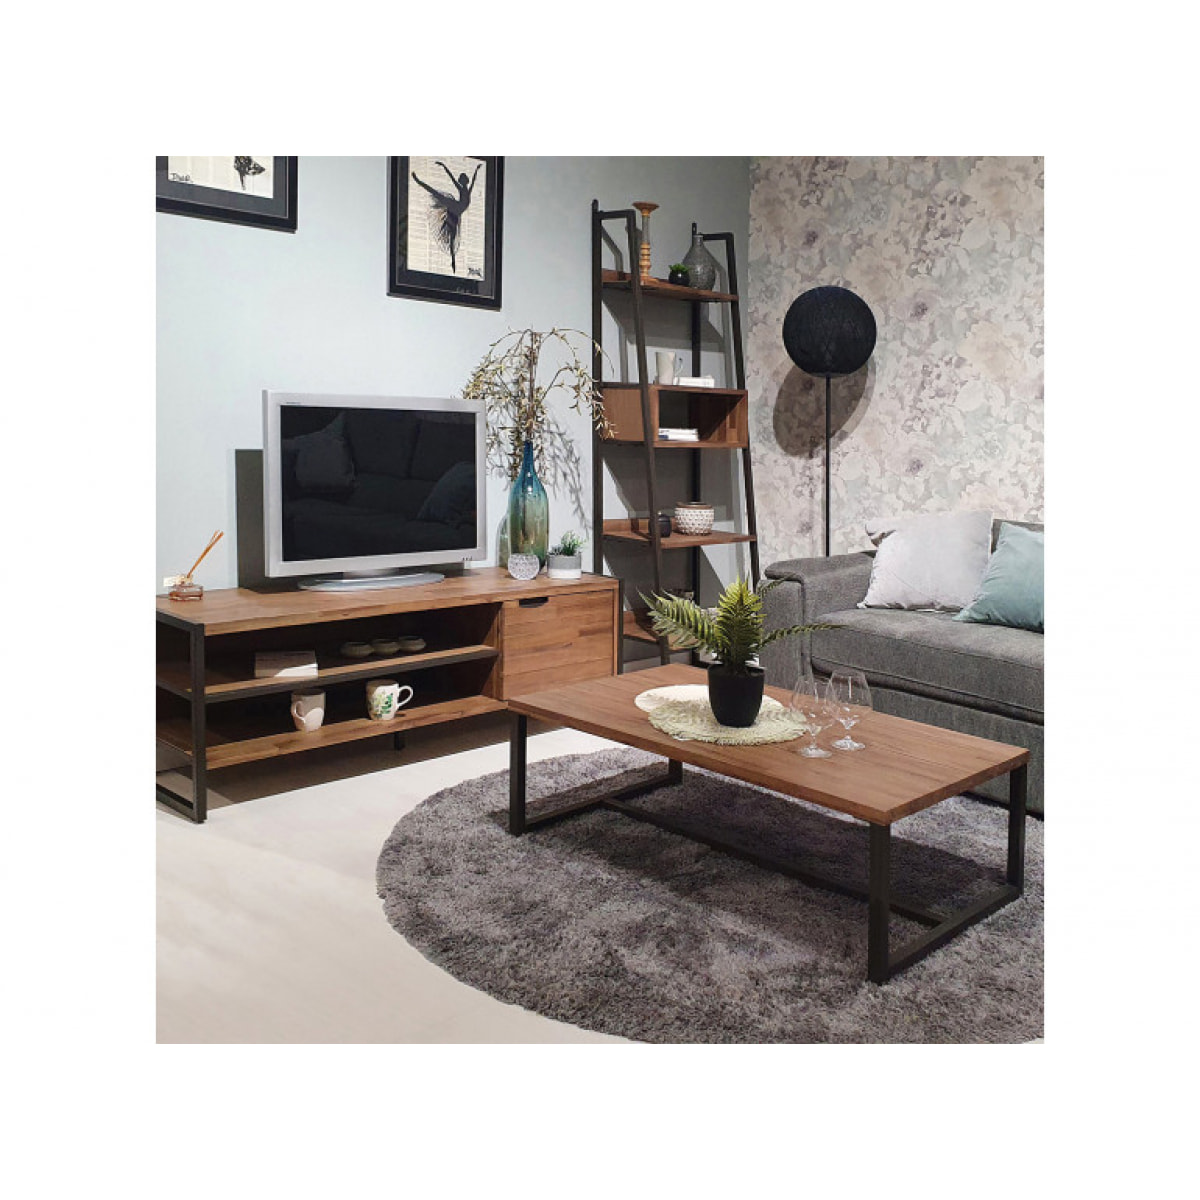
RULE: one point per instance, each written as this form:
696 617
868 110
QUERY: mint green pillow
1013 587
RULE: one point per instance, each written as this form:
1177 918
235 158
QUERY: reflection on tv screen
365 482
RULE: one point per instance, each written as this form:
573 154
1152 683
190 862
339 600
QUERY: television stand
487 637
367 583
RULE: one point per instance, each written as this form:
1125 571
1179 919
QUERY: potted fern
733 632
563 561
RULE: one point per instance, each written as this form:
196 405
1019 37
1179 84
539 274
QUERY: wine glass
810 702
850 695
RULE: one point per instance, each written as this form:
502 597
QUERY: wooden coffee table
905 768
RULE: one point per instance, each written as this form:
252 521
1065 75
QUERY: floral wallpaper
947 414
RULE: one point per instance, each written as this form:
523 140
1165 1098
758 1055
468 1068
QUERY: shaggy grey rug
610 924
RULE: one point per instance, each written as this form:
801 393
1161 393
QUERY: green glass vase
528 511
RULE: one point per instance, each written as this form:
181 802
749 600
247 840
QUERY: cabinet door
561 639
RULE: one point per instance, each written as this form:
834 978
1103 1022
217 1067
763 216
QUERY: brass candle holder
645 208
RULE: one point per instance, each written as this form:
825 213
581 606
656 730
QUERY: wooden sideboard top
231 610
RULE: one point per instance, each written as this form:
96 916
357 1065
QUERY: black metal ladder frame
882 964
629 216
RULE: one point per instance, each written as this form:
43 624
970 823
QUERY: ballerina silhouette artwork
448 209
244 165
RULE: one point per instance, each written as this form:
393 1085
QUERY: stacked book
284 664
679 435
695 381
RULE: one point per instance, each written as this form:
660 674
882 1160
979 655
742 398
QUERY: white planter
564 566
694 518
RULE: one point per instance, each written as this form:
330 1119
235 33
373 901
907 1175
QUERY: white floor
269 926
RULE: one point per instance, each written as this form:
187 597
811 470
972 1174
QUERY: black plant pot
735 698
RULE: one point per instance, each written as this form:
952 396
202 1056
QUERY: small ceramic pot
664 525
694 517
735 698
564 566
524 566
678 277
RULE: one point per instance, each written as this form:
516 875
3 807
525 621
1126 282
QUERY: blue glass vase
528 510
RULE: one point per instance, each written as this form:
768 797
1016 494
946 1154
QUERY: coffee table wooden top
904 768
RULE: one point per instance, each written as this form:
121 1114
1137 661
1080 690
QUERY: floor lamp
829 331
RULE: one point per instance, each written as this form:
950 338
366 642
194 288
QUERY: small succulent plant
569 544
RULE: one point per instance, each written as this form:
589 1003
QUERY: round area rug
614 925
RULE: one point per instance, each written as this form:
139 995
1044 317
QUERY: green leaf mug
384 698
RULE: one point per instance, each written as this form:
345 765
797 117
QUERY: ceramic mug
384 699
308 710
665 364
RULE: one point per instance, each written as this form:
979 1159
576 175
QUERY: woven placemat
683 712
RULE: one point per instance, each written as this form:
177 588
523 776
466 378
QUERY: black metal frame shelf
640 290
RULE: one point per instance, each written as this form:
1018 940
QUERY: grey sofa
980 679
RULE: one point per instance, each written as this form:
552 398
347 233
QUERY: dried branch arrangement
518 404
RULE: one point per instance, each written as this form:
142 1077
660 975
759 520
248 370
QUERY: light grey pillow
931 562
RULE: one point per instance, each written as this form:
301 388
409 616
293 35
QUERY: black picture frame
188 199
476 283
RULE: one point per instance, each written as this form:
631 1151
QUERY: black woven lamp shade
829 331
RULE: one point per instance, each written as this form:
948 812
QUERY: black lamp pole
828 426
829 331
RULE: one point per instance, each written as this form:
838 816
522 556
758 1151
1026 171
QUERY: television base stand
366 583
488 637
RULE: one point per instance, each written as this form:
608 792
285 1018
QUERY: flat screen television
358 489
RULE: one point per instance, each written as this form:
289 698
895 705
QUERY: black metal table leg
674 771
879 883
1018 785
195 806
517 741
199 730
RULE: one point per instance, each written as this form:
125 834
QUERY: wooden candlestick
645 208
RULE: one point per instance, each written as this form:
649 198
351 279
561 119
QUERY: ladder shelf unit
637 410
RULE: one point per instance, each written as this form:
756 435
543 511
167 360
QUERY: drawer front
563 640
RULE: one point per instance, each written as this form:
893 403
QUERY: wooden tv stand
488 637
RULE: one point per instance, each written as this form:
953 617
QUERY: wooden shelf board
661 445
637 625
620 531
677 389
236 610
223 684
660 287
224 751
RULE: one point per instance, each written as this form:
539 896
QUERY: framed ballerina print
445 215
247 189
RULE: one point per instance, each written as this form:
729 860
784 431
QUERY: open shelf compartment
256 726
719 415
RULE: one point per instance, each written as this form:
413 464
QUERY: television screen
376 483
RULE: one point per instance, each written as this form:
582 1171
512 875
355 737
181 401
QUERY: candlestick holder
645 208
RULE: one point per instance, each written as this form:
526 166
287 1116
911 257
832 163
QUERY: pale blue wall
243 309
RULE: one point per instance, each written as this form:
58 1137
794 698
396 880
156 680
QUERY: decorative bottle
528 510
702 267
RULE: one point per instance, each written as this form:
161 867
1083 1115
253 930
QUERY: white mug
665 362
384 700
308 710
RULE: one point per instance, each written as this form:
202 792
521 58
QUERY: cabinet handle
534 601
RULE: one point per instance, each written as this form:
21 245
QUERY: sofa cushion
930 561
1013 589
990 667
